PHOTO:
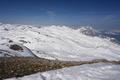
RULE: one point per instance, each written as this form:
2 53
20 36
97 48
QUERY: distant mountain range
58 42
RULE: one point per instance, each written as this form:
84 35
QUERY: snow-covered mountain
115 36
62 43
89 31
57 42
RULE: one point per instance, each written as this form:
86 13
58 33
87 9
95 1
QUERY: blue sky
102 14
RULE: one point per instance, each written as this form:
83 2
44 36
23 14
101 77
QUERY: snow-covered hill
63 43
58 42
89 31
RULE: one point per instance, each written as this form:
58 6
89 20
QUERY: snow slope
63 43
99 71
5 51
59 42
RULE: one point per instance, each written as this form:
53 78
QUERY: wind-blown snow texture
63 43
59 42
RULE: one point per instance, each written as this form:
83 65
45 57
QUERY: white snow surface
5 51
99 71
63 43
59 42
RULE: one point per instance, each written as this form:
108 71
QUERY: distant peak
88 31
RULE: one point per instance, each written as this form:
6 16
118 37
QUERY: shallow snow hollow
99 71
59 42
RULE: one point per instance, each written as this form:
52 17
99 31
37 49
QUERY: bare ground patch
20 66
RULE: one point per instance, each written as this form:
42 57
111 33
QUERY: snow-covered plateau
62 43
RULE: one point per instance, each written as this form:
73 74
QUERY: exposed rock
88 31
23 41
10 41
16 47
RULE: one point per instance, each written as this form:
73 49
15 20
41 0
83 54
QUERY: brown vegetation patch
20 66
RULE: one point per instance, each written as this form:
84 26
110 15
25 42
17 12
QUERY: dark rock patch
6 29
23 41
10 41
16 47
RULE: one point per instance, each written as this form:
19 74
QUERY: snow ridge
59 42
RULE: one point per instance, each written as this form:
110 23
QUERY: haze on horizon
101 14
